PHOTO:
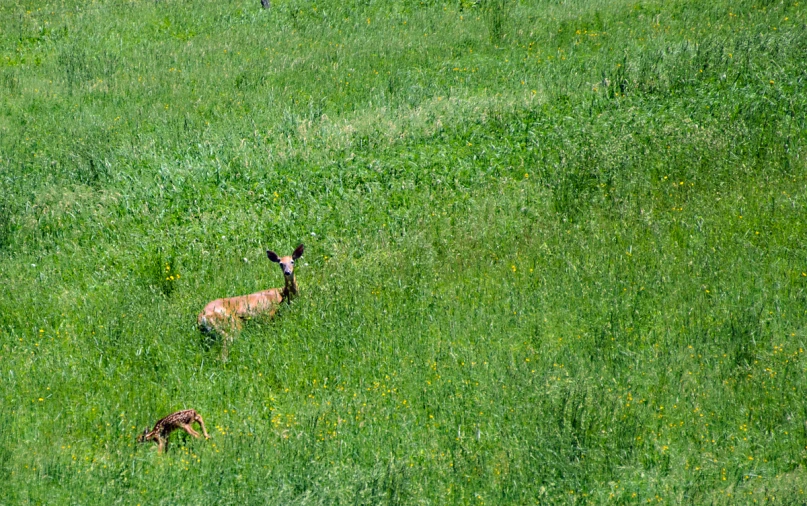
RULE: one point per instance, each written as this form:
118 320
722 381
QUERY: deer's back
244 305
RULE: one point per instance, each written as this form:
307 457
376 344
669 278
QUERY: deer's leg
234 327
198 418
225 339
228 336
160 445
220 324
187 428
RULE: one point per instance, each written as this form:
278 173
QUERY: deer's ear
298 252
272 256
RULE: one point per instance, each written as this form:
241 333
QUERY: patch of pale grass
394 125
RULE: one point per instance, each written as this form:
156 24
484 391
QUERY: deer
165 426
224 316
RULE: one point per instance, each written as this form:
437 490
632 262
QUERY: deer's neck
290 290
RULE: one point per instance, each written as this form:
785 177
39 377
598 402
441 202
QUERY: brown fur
224 316
165 426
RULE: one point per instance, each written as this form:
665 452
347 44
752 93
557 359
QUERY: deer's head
286 263
142 437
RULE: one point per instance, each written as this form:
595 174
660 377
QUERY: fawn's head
286 263
142 437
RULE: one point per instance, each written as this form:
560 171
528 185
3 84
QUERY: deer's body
230 311
164 427
224 316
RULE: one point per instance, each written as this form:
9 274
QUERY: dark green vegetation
556 250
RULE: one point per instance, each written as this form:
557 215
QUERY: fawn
164 427
223 316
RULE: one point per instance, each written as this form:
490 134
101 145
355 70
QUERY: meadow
555 250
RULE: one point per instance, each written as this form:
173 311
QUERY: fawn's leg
160 445
198 418
187 428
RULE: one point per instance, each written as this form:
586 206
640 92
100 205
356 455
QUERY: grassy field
555 250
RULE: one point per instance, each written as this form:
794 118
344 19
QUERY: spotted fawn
164 427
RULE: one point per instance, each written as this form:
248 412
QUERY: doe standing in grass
223 316
164 427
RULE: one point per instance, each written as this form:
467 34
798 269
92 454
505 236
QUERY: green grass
555 251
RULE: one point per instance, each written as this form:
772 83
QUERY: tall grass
554 250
